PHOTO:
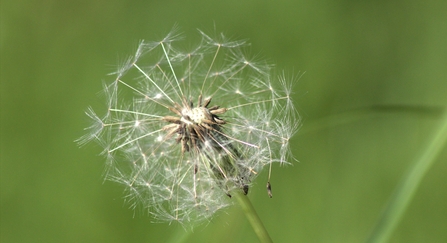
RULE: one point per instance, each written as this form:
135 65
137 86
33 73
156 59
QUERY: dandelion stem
179 235
408 186
253 218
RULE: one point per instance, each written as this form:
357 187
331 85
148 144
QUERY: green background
371 99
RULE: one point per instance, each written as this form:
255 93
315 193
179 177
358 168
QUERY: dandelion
185 130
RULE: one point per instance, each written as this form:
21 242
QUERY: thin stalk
408 186
180 235
253 218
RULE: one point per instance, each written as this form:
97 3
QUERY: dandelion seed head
185 129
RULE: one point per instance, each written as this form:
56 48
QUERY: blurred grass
406 189
371 99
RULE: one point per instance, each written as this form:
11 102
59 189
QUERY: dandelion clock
188 130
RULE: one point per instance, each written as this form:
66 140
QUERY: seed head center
194 116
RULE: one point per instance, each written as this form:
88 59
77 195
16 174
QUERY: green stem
180 235
253 218
408 186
